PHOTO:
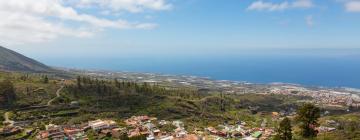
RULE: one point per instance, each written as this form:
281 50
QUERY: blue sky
109 28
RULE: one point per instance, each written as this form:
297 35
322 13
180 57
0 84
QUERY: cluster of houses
10 130
77 132
13 128
144 125
148 126
153 129
57 132
239 131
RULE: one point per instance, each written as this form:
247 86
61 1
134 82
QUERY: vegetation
307 116
7 93
285 130
46 79
115 99
348 127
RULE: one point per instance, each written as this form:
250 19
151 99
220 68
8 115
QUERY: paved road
57 95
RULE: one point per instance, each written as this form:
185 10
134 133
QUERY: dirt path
57 95
7 120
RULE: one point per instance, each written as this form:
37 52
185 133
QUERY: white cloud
260 6
18 28
269 6
309 20
303 4
352 6
25 21
133 6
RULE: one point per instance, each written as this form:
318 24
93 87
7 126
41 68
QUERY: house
52 132
10 130
162 122
136 120
180 133
188 137
51 127
134 132
75 133
166 138
212 130
249 138
178 123
98 125
150 137
78 136
157 132
55 134
325 129
117 132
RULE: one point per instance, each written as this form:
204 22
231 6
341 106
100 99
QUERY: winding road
57 95
11 122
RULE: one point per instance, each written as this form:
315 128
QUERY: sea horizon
329 69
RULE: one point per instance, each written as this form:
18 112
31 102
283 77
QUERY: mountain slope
13 61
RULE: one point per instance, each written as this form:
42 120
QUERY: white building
100 124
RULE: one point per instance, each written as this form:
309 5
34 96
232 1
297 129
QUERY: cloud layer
42 20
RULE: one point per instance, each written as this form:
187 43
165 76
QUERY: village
150 128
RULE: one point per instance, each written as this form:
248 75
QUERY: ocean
311 68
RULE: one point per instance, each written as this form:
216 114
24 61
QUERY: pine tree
307 116
46 79
78 82
284 130
7 92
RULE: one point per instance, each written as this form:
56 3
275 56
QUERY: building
10 130
98 125
75 133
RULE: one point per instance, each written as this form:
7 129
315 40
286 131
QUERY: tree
7 92
78 82
124 136
284 130
46 79
307 116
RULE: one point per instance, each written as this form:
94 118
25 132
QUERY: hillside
13 61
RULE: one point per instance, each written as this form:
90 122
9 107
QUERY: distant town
326 96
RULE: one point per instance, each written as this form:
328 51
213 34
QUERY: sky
111 28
